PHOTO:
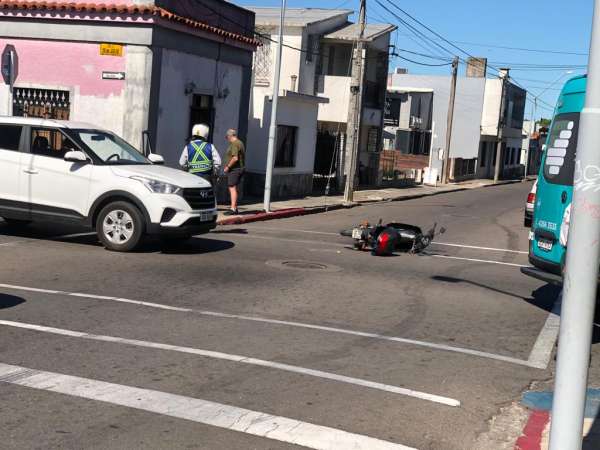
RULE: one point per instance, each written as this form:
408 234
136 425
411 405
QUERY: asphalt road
311 340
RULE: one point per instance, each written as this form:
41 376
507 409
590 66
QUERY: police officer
200 157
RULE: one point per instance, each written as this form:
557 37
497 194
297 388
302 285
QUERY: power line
555 52
411 28
422 63
515 82
441 58
521 49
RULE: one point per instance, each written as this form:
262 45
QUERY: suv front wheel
120 226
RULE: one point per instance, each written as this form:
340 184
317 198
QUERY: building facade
430 122
504 126
145 71
314 98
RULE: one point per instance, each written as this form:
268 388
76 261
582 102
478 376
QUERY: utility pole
274 102
531 131
581 276
355 106
500 126
445 166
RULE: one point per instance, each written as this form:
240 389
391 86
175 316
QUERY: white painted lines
492 249
74 235
544 345
239 359
280 322
197 410
487 261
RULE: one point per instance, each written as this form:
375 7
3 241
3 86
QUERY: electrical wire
424 64
514 81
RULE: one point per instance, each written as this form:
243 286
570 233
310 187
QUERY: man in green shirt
235 160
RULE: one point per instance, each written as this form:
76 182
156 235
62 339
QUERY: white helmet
200 130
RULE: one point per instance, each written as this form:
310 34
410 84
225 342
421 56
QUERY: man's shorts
234 177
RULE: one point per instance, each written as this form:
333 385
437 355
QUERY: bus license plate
545 245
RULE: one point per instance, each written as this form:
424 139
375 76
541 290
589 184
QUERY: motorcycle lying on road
384 240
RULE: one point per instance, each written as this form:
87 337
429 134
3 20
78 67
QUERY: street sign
111 49
113 75
10 65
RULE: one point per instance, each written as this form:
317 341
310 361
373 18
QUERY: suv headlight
159 187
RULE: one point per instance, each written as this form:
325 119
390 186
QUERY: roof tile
129 10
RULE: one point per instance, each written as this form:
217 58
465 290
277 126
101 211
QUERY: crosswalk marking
240 359
197 410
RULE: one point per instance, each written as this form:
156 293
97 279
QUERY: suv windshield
560 152
107 147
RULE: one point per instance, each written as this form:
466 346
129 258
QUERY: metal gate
326 160
42 103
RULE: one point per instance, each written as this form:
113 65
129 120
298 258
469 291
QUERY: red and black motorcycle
384 240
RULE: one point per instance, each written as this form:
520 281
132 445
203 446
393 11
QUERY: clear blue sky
550 25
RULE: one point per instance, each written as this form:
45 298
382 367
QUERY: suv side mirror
76 156
156 159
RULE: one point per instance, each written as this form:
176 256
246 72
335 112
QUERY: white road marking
197 410
297 241
282 322
295 230
493 249
447 244
476 260
11 243
542 349
74 235
239 359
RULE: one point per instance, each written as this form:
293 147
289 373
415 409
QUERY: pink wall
67 64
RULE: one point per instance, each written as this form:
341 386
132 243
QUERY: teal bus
551 214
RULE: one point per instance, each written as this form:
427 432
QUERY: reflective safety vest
200 159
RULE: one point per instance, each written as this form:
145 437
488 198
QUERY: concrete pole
529 140
500 129
274 102
445 166
354 111
581 277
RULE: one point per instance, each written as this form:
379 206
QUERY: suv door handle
31 172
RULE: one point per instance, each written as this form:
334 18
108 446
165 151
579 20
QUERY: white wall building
468 108
511 121
314 94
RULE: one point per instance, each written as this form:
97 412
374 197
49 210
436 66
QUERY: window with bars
43 103
262 59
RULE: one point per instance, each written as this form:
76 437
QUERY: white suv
62 171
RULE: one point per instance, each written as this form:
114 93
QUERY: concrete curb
531 439
292 212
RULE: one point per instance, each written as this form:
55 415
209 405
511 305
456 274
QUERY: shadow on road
543 297
231 231
9 301
85 236
193 246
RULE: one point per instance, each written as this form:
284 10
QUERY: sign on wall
10 64
113 75
111 49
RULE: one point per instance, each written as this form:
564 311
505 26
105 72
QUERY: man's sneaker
231 212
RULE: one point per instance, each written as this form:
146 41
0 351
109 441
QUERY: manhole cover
303 265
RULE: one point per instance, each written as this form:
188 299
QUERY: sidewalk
536 433
252 209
